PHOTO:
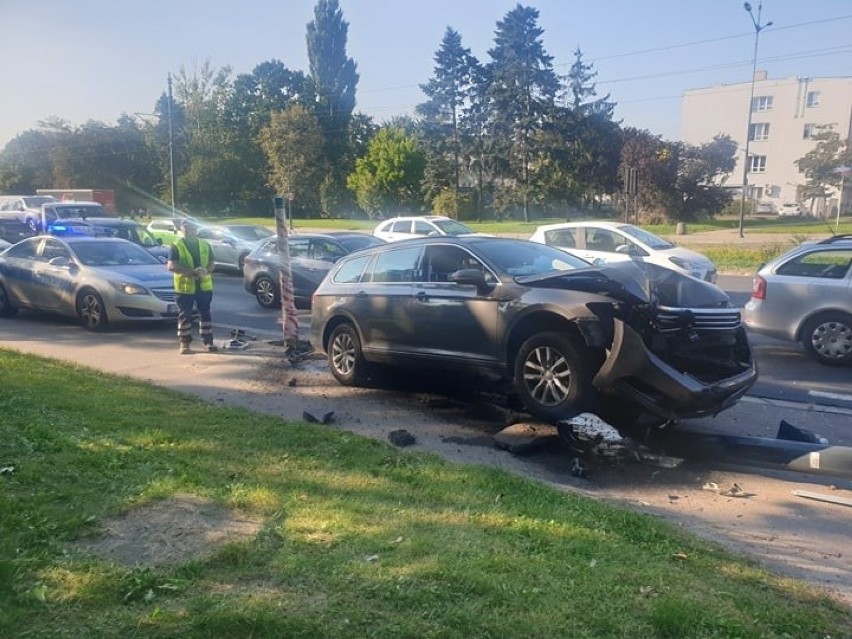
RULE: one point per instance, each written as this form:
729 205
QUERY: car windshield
649 239
77 211
112 253
250 233
451 227
527 258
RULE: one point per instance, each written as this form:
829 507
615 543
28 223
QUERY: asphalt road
786 373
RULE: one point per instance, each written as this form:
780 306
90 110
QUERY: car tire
91 310
7 309
345 359
828 338
266 292
553 376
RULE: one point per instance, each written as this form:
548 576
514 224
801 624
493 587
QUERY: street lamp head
747 6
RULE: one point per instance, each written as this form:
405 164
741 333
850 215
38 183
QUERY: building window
759 131
757 164
809 131
813 99
761 103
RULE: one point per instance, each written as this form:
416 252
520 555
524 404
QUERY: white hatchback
406 228
601 242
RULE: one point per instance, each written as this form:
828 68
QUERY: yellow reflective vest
186 283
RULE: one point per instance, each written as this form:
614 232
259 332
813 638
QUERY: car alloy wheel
344 356
553 376
91 311
828 338
266 292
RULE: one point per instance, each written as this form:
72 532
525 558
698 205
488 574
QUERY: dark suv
625 340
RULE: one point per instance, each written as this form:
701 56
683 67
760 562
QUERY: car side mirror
470 277
60 261
160 241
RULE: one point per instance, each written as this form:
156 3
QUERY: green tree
335 79
270 87
521 94
293 144
702 173
26 163
204 92
656 163
387 179
822 163
450 95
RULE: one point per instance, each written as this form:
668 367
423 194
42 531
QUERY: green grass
358 539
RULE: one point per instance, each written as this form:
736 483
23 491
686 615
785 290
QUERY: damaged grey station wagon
628 341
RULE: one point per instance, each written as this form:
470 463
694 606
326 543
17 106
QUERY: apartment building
784 116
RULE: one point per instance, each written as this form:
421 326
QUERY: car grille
165 294
705 319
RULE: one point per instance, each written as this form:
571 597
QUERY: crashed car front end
674 345
692 372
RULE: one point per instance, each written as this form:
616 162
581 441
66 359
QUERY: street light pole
757 29
171 148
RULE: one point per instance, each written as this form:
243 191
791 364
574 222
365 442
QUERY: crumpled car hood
635 282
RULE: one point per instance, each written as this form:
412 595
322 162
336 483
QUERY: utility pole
289 319
746 161
171 148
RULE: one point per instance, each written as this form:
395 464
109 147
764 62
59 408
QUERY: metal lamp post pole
171 148
757 29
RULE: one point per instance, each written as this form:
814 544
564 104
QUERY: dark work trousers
200 300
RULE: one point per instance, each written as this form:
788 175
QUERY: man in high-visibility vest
191 261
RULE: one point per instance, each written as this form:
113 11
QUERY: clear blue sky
97 59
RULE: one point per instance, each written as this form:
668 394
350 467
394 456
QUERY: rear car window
832 264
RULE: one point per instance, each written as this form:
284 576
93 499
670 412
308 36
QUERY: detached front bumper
634 372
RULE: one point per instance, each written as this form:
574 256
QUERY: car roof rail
836 238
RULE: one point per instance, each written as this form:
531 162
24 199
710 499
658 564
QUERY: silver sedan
97 280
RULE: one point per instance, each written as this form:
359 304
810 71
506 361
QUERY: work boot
184 348
211 348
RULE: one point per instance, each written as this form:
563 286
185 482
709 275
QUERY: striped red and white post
289 319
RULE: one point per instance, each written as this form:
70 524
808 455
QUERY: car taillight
758 288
